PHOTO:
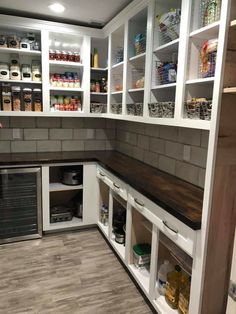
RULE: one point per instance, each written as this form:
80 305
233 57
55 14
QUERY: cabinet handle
116 185
101 174
138 202
172 229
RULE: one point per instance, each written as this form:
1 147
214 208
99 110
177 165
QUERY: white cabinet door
231 307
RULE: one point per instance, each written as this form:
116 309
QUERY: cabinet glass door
20 204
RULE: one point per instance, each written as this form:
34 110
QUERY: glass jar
4 71
37 98
77 57
3 41
64 56
6 97
27 98
26 74
36 71
13 42
58 55
52 54
103 85
71 57
16 98
36 46
24 44
15 72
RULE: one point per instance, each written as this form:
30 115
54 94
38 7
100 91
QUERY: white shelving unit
57 186
20 51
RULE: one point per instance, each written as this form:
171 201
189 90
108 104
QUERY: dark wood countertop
181 199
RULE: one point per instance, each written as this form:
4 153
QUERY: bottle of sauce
172 287
184 294
95 58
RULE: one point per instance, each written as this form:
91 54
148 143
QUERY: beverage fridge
20 204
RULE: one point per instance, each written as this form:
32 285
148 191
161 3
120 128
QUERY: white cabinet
148 223
56 194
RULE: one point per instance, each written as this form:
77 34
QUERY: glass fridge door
20 204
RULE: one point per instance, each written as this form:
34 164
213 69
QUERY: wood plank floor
65 274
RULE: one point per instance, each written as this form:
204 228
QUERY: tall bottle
172 287
95 58
184 294
164 269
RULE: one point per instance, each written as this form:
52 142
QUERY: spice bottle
16 98
27 97
6 97
172 287
37 99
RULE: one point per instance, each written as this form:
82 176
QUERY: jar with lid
36 71
13 42
15 72
3 41
58 55
6 97
97 87
64 55
16 98
77 57
71 57
36 45
37 99
26 74
27 98
52 54
4 71
103 85
24 44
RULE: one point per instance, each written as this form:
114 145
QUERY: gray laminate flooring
66 273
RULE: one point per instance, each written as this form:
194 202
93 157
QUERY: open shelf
201 80
20 82
233 23
117 92
120 248
98 94
103 228
75 222
142 276
66 89
138 57
66 64
135 90
118 65
163 307
99 69
57 186
171 85
229 90
207 31
170 47
20 51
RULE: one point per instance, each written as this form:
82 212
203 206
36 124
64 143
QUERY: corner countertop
181 199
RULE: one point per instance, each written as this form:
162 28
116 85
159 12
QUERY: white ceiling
76 12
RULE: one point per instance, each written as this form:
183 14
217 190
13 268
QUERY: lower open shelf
103 228
75 222
120 248
141 275
162 306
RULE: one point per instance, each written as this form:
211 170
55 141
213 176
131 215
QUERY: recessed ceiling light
57 7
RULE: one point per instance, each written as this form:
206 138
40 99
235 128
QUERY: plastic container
15 72
37 99
6 97
26 74
27 97
141 255
16 98
164 269
184 294
36 71
4 71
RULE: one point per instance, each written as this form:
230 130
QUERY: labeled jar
15 72
16 98
64 56
36 46
58 55
13 42
24 44
26 74
4 71
27 99
36 71
3 41
71 56
6 97
37 99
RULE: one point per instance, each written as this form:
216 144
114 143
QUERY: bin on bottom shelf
142 254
